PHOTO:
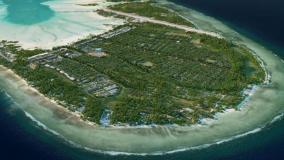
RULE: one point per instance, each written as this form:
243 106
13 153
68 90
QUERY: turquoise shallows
27 12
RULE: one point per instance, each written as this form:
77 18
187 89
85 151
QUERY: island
157 68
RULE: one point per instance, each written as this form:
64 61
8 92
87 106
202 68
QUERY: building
102 87
98 50
44 58
68 53
8 55
98 53
116 32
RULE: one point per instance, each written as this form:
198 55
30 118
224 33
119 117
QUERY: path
151 20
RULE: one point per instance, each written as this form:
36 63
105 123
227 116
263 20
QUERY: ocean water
22 136
260 19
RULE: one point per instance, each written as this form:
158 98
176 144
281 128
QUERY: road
151 20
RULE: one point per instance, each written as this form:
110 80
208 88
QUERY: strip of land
151 20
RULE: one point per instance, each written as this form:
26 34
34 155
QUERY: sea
260 20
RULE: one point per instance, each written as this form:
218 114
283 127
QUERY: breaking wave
116 153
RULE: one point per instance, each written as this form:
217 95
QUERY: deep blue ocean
261 20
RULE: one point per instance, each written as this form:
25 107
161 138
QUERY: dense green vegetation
121 0
187 71
150 9
167 75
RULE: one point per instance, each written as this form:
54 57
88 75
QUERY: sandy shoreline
31 91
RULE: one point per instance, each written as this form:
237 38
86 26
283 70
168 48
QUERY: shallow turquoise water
27 12
48 23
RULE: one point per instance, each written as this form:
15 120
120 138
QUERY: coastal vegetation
150 9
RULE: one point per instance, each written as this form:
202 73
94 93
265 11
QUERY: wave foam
116 153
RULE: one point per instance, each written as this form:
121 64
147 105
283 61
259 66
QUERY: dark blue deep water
262 20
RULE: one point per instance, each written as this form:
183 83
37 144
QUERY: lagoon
27 12
48 23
